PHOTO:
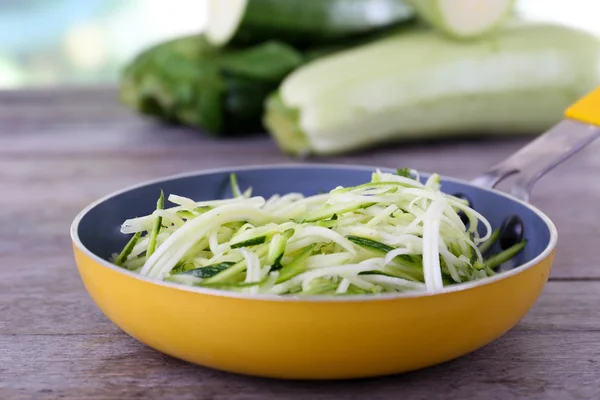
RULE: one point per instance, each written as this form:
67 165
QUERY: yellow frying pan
328 337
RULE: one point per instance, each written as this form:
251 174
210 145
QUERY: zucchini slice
464 19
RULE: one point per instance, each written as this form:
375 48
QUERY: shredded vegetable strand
392 234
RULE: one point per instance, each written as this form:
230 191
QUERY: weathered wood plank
531 365
59 107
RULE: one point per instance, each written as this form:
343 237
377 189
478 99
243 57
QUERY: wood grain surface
60 150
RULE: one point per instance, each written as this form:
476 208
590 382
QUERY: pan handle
580 128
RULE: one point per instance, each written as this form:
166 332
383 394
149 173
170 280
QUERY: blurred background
45 43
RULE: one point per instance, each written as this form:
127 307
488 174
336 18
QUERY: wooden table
61 150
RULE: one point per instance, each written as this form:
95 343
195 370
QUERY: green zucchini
464 19
381 249
301 22
487 245
208 270
182 266
189 81
373 245
329 211
277 248
250 242
221 91
518 81
122 257
502 257
296 266
160 205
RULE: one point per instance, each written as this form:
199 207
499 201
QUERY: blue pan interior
99 228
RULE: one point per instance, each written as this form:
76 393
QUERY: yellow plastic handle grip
586 110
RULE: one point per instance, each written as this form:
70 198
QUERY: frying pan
328 337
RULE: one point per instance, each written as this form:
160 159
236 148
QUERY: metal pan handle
580 128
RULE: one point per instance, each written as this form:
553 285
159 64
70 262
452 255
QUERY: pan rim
459 287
